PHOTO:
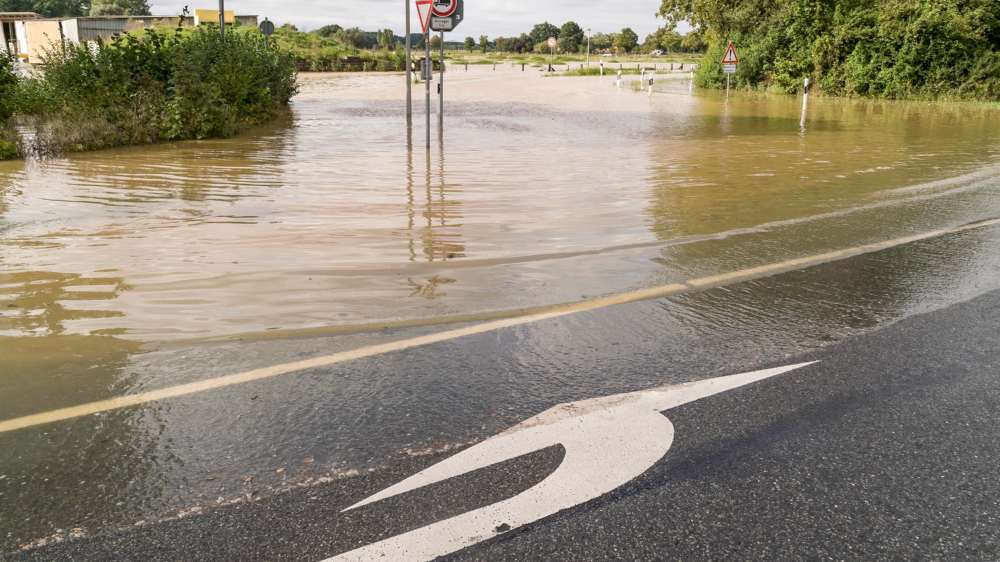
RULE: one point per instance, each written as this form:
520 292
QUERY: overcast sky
490 17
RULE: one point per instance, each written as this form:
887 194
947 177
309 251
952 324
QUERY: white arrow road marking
608 442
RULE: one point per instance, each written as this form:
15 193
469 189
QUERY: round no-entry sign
444 8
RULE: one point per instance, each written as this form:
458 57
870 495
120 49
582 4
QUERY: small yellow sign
212 16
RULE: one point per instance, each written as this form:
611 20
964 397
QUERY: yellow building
212 16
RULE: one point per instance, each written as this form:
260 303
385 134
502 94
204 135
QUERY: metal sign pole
222 17
428 74
409 75
441 91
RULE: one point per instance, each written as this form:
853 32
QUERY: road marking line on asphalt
608 442
557 311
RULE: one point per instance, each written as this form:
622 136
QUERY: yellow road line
400 345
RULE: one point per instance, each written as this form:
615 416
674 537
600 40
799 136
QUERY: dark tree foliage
47 8
155 86
542 32
892 48
571 37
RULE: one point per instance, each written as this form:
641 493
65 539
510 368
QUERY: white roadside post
805 104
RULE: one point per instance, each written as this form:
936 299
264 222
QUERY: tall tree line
891 48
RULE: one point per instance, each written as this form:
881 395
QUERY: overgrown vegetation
8 94
155 86
925 49
333 49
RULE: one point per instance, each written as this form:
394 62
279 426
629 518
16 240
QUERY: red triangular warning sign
424 11
731 57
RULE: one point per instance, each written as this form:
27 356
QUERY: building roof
7 16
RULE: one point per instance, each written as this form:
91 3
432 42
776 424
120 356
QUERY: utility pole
222 17
409 76
588 47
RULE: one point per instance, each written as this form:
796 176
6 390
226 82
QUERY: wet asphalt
885 450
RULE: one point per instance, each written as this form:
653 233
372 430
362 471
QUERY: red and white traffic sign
445 8
731 56
424 8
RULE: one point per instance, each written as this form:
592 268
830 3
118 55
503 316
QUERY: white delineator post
805 104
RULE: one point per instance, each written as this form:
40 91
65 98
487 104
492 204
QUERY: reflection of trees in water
697 190
42 303
218 169
747 163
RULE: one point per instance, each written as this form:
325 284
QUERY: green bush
8 87
156 86
895 49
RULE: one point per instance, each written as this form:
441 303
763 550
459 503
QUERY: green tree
571 37
352 37
329 30
119 8
484 43
602 41
386 39
47 8
626 40
470 44
8 87
435 42
542 32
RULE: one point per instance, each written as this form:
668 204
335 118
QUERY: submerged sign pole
428 74
729 62
409 77
445 16
441 91
222 17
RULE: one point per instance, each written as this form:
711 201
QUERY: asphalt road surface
882 443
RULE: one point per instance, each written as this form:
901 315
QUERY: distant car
657 53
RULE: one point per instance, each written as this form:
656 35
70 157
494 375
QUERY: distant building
10 40
29 36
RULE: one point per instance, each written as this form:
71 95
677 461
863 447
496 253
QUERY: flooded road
135 269
328 220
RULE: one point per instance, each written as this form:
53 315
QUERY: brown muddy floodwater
541 191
